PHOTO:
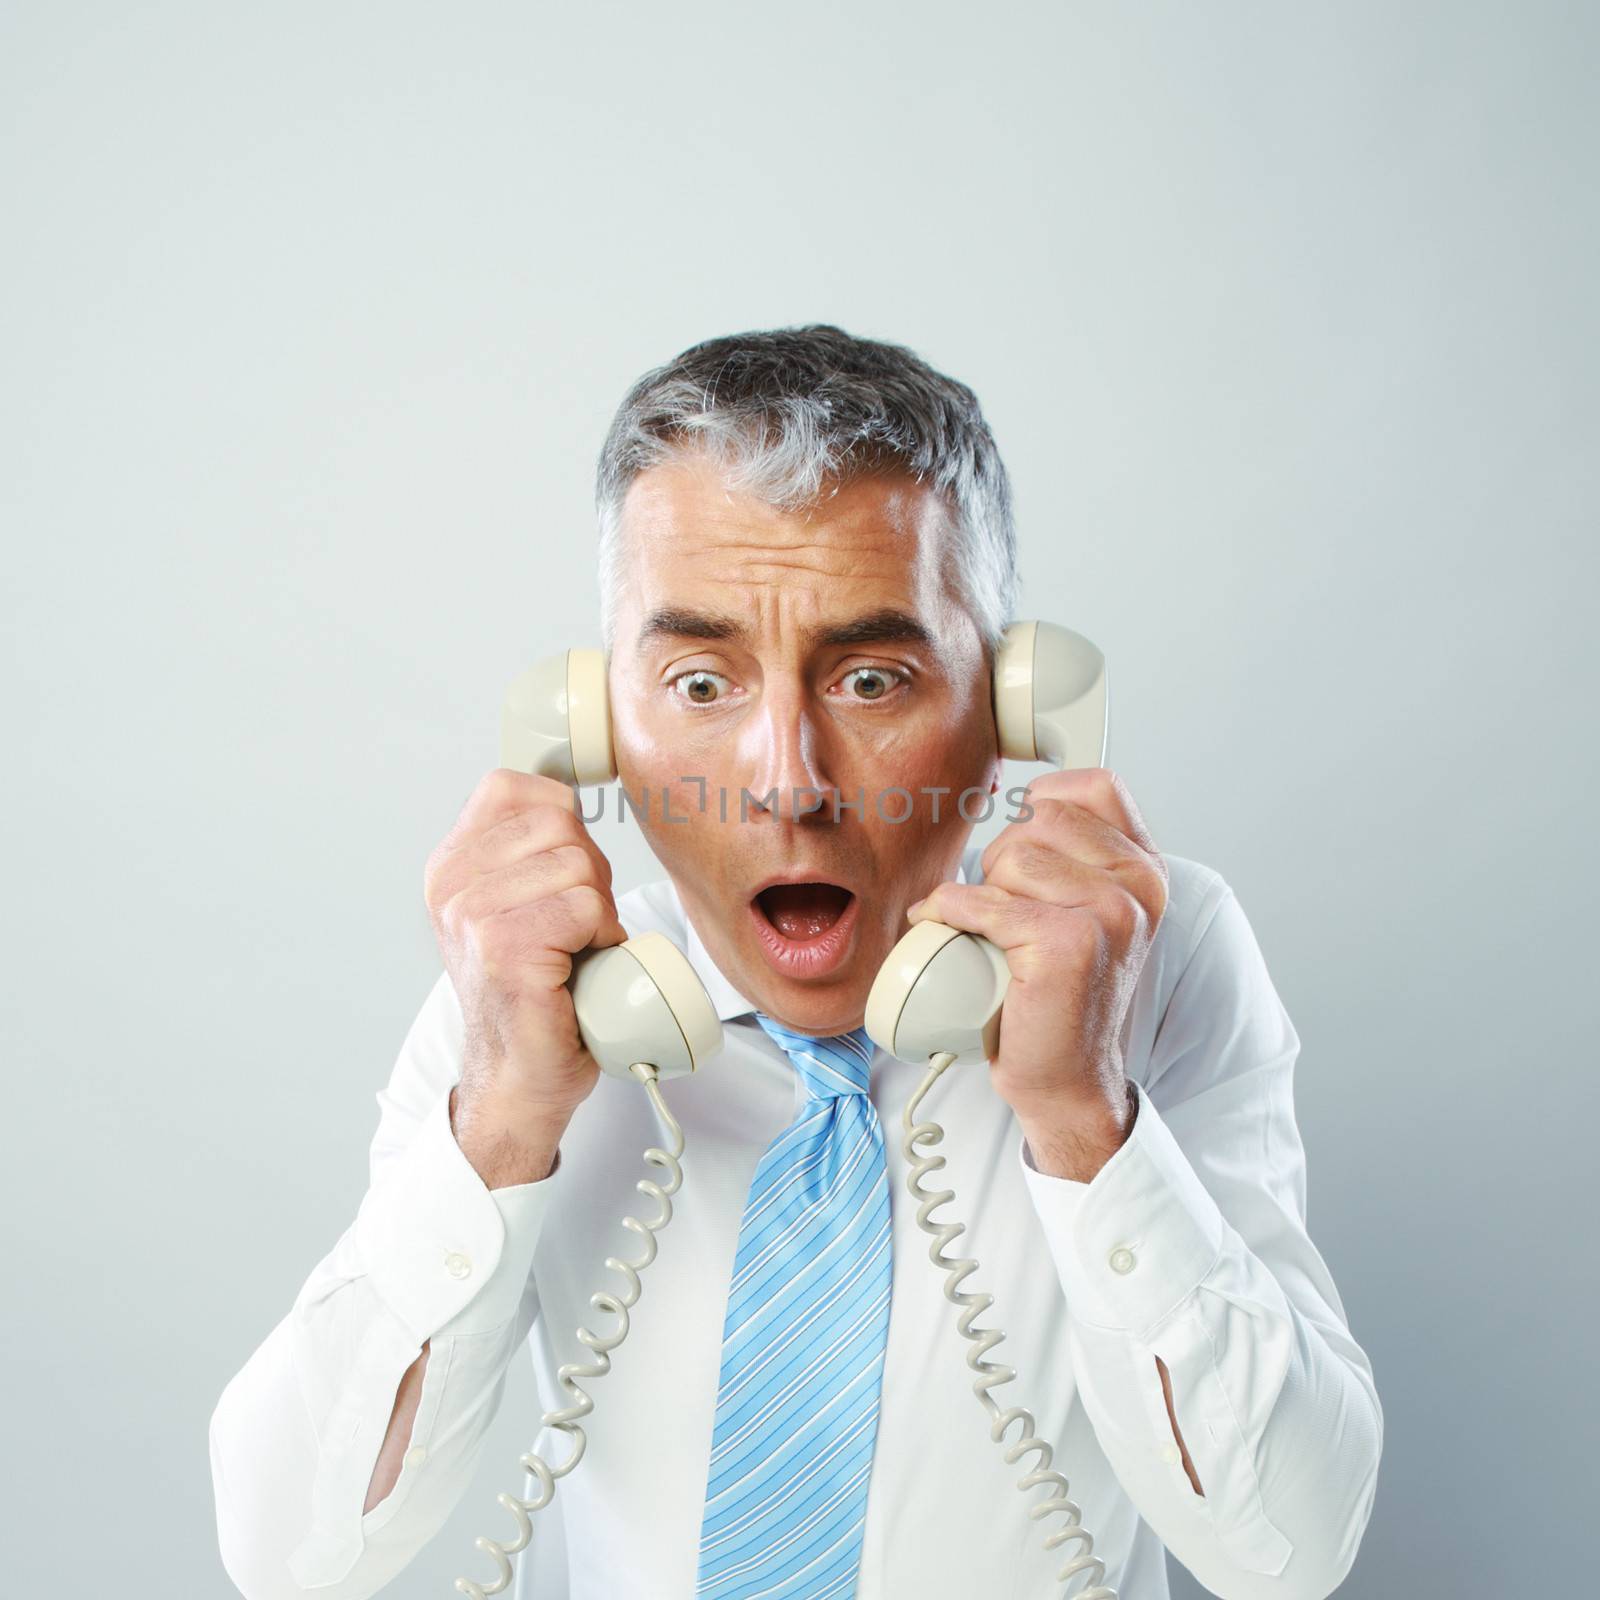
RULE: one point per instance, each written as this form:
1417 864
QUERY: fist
1073 897
514 890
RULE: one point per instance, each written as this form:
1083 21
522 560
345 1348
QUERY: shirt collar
726 1000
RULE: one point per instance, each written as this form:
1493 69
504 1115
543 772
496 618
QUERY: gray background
313 320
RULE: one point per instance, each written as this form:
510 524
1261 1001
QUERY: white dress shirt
1190 1243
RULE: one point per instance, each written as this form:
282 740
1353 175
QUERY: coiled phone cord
614 1305
991 1374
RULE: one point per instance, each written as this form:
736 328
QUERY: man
807 562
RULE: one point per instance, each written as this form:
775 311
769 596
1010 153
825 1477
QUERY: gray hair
788 411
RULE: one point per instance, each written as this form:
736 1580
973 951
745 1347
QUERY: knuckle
1160 895
540 825
1050 806
994 853
506 788
440 873
1026 864
468 906
565 824
1005 868
431 884
587 905
1146 880
497 785
573 859
1123 916
565 866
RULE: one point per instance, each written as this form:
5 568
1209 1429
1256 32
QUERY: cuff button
457 1265
415 1456
1122 1259
1171 1455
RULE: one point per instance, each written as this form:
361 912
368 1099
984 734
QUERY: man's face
822 654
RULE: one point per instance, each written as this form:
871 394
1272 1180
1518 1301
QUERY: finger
1072 808
544 827
1050 864
1004 919
500 793
534 813
545 872
1112 913
540 942
578 917
1066 828
1100 791
1039 871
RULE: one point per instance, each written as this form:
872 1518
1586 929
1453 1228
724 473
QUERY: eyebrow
886 625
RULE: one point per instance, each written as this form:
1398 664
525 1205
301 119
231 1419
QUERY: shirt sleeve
1190 1244
432 1255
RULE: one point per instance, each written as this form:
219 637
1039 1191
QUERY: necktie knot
829 1068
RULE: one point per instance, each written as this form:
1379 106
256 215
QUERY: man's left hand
1073 896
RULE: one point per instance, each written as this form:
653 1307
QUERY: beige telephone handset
643 1013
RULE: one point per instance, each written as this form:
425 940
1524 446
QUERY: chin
834 1005
836 1009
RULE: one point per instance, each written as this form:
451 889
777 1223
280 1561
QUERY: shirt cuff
444 1251
1138 1239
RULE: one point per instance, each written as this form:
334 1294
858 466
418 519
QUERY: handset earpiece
1050 701
940 990
556 720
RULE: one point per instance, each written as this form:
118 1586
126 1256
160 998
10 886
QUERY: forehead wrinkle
767 568
701 544
899 585
784 551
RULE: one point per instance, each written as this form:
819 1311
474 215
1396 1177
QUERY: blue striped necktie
803 1344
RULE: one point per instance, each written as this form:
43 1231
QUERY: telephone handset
643 1013
940 990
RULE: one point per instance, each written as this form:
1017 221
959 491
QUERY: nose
782 753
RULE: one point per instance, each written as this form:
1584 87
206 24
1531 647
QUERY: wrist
507 1143
1071 1138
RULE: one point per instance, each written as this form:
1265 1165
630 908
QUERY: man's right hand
514 890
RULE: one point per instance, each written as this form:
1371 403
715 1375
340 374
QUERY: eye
699 686
872 683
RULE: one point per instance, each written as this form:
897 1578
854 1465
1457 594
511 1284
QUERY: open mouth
803 911
806 931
